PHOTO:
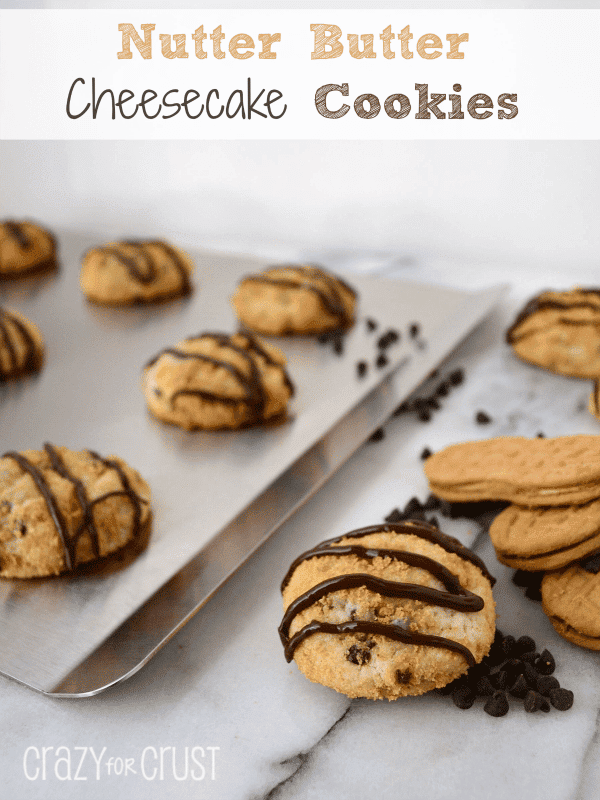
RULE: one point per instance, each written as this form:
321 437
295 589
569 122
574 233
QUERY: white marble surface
223 682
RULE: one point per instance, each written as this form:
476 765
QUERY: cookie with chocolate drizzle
387 611
21 346
25 248
133 272
213 381
560 331
60 508
289 300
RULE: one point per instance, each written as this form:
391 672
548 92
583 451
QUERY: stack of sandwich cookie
553 486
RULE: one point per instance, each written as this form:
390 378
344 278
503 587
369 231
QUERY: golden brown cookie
571 599
594 402
131 272
21 345
213 381
528 472
560 331
60 508
539 539
387 611
25 248
294 300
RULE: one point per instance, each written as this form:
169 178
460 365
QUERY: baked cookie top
25 248
571 599
529 472
388 610
213 381
291 299
21 345
60 508
131 272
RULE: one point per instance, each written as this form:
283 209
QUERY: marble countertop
252 727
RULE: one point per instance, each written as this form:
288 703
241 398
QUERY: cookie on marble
21 346
60 508
528 472
560 331
25 248
133 272
571 599
213 381
544 538
387 611
290 300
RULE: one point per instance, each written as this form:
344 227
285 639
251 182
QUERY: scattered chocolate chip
481 418
402 409
591 564
22 528
338 346
531 675
443 389
530 658
323 338
545 664
525 644
500 679
382 361
514 667
546 684
424 416
561 699
519 688
484 686
541 435
456 377
360 654
531 581
403 676
394 516
414 330
414 504
371 324
389 337
433 521
377 436
463 697
533 702
534 593
361 368
425 453
497 705
508 645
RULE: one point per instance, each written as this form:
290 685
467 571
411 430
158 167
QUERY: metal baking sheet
216 495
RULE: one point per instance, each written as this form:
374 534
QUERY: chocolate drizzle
330 297
540 303
454 596
88 524
31 360
254 396
142 266
26 242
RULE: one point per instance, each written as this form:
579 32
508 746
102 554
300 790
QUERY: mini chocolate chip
382 361
497 705
541 435
591 564
443 389
425 453
22 528
500 679
545 664
525 644
338 346
432 502
414 504
371 324
424 416
414 330
403 676
361 368
377 436
532 702
531 676
463 697
394 516
484 686
519 687
481 418
402 409
530 658
546 684
432 403
545 705
508 645
514 667
456 377
561 699
323 338
360 654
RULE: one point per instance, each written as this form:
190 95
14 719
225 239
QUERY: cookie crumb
388 338
414 330
371 324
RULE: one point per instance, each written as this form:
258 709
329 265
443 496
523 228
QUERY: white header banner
264 74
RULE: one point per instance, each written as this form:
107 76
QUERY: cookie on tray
213 381
60 508
294 300
544 538
133 272
529 472
560 331
387 611
25 248
571 599
21 345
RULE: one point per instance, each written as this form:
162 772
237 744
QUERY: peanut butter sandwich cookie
294 300
60 508
213 381
387 611
21 346
571 599
25 248
131 272
528 472
560 331
538 539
